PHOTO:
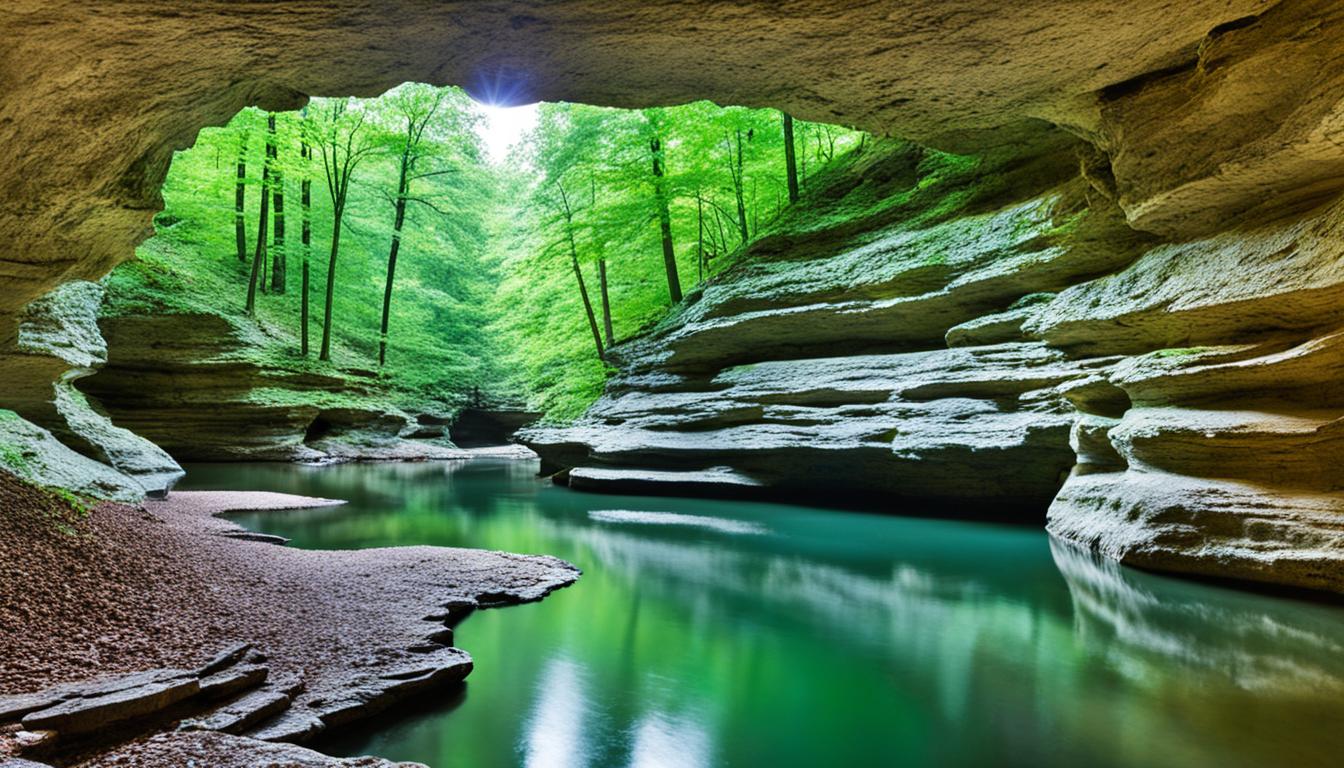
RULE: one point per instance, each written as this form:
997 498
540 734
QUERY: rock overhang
100 96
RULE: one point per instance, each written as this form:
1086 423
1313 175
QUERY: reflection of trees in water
1258 677
1148 623
386 503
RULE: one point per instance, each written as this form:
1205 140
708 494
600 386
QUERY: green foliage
599 162
439 347
79 506
485 297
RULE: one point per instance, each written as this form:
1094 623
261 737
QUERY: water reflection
1151 625
729 633
1264 674
554 727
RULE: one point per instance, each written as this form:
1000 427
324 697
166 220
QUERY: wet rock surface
971 423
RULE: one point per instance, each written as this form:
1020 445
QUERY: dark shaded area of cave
483 428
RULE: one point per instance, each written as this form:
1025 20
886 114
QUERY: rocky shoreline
214 648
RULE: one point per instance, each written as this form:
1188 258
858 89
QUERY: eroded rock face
757 385
1214 447
971 425
59 344
35 455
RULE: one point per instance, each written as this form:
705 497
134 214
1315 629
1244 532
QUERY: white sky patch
720 524
504 126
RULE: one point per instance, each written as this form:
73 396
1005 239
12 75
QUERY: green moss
1180 352
11 456
79 506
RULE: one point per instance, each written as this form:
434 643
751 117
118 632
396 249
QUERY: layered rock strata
822 363
198 386
1215 450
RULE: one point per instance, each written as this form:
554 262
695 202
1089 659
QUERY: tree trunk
259 256
392 257
790 161
606 301
583 293
278 265
665 221
700 236
802 156
723 236
267 183
325 352
240 200
739 191
305 235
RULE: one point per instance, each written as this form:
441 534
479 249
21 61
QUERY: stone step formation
234 694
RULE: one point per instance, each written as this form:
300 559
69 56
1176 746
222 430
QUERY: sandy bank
166 585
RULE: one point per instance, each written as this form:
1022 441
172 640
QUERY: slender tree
601 270
567 211
416 107
736 171
306 232
278 256
259 257
397 222
790 161
606 301
699 236
240 196
344 145
664 215
802 156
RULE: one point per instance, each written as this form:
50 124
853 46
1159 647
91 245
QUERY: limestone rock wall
821 363
58 345
1214 446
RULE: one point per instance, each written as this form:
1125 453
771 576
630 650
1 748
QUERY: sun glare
504 126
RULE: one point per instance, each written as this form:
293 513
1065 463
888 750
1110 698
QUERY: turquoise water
712 633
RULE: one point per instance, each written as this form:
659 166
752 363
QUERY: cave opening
1075 264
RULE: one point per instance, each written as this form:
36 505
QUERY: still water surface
713 633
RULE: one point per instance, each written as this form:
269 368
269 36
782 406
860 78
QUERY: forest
379 234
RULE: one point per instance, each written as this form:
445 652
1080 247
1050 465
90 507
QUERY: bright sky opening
504 126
